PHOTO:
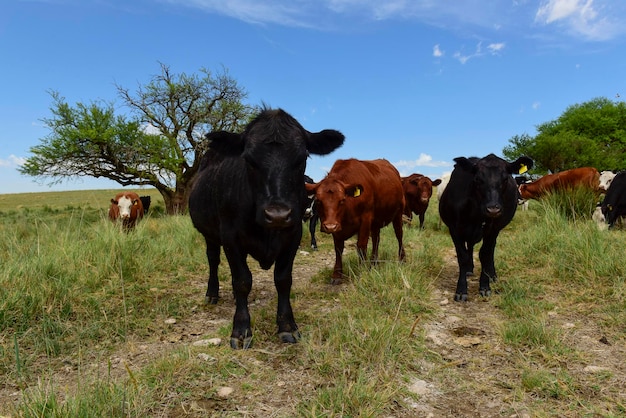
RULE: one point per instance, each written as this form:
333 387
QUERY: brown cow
128 207
568 179
359 197
418 190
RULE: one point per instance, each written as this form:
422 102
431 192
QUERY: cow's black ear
521 165
436 182
465 164
226 143
324 142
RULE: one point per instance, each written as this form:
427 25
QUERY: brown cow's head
332 197
419 187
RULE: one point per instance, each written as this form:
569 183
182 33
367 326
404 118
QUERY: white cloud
424 160
493 48
553 10
536 105
579 17
12 161
437 52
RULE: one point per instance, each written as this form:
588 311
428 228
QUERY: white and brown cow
128 207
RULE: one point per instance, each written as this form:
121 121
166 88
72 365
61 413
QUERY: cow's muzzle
329 228
278 217
494 211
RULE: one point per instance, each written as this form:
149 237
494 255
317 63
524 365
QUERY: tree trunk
176 201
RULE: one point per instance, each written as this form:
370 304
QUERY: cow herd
251 195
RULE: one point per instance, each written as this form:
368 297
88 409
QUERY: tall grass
75 290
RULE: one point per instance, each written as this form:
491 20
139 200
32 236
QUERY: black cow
614 203
311 214
479 200
249 198
145 200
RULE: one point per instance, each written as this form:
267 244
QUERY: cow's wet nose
278 217
330 227
494 211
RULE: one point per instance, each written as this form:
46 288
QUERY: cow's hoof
460 297
336 282
240 343
289 337
485 292
211 300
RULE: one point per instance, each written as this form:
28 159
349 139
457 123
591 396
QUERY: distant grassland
86 199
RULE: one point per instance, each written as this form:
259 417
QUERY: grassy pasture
95 322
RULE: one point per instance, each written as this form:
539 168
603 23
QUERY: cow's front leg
397 228
488 268
463 256
287 327
241 336
213 287
338 269
375 244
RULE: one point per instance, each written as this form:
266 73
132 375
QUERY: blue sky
418 82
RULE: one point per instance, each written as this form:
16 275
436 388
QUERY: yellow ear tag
357 192
523 169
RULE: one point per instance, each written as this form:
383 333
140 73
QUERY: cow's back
582 176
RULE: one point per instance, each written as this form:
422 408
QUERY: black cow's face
493 181
275 147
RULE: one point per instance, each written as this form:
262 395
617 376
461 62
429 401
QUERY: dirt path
471 373
481 374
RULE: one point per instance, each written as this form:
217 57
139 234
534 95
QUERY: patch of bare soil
480 375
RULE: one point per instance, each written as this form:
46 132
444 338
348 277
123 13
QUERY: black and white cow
249 198
606 178
614 203
478 202
311 214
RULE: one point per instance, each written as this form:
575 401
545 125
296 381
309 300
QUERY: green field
98 322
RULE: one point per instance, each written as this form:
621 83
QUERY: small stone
468 341
419 387
170 321
215 341
224 391
205 357
205 342
595 369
